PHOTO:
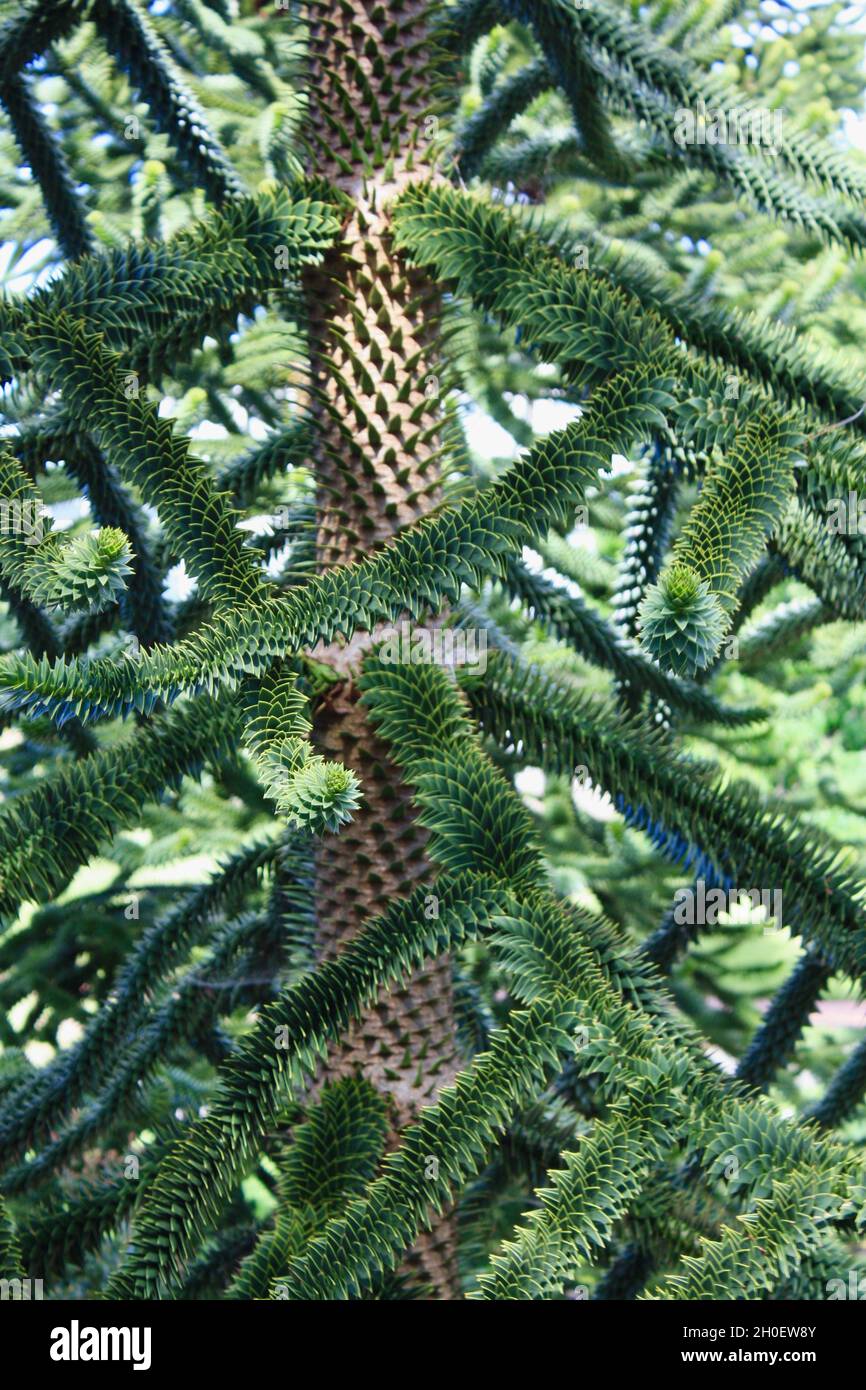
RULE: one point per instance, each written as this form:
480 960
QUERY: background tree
315 981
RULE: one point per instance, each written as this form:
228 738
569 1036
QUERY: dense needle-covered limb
570 618
10 1249
285 449
27 1112
769 1245
155 303
686 615
599 47
425 564
578 1211
509 99
197 520
83 573
784 1021
816 557
42 150
53 436
314 794
658 65
32 28
140 53
277 1057
783 627
177 1014
844 1093
543 953
48 833
647 532
792 362
333 1157
716 830
572 317
374 1229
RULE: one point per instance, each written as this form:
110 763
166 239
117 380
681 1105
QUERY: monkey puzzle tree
325 1068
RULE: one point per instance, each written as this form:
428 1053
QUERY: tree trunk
374 341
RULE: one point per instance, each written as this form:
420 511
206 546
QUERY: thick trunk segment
374 335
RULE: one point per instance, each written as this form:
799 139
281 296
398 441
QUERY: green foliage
578 1213
681 620
333 1157
88 574
313 794
673 694
10 1251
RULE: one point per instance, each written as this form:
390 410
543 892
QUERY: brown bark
374 336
